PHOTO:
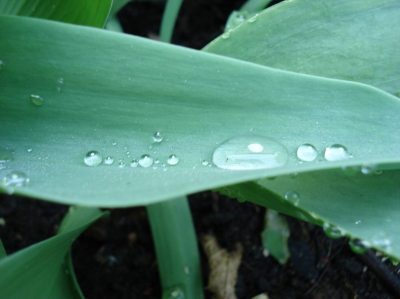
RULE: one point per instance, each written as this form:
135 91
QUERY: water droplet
186 270
358 222
121 164
36 100
381 240
15 179
292 197
332 231
176 293
336 152
307 152
1 64
368 169
357 246
29 150
158 137
60 80
173 160
235 153
93 158
253 18
204 163
156 161
134 163
109 160
226 35
114 143
145 161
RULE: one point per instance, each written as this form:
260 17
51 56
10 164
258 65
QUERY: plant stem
176 248
169 18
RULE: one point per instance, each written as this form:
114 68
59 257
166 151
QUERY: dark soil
115 258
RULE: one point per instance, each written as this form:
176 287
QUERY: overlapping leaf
82 12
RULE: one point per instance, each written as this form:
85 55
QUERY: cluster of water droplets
94 158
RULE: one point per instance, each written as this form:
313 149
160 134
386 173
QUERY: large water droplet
173 160
158 137
292 197
336 152
307 152
36 100
109 160
250 152
145 161
15 179
253 18
357 246
93 158
332 231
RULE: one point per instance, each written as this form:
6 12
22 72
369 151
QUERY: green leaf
2 250
169 18
351 40
362 206
122 89
81 12
39 268
275 236
176 247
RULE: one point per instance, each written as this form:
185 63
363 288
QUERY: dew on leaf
307 152
226 35
249 152
336 152
145 161
15 179
357 246
173 160
134 163
253 18
93 158
293 197
332 231
109 160
158 137
37 100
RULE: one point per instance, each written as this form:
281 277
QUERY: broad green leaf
351 40
361 206
82 12
38 271
119 89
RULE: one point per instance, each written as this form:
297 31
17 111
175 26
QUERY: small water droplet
15 179
235 153
36 100
358 222
336 152
186 270
121 163
60 80
156 161
332 231
226 35
368 169
204 163
1 64
381 240
158 137
292 197
253 18
173 160
114 143
29 150
134 163
93 158
109 160
357 246
145 161
307 152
